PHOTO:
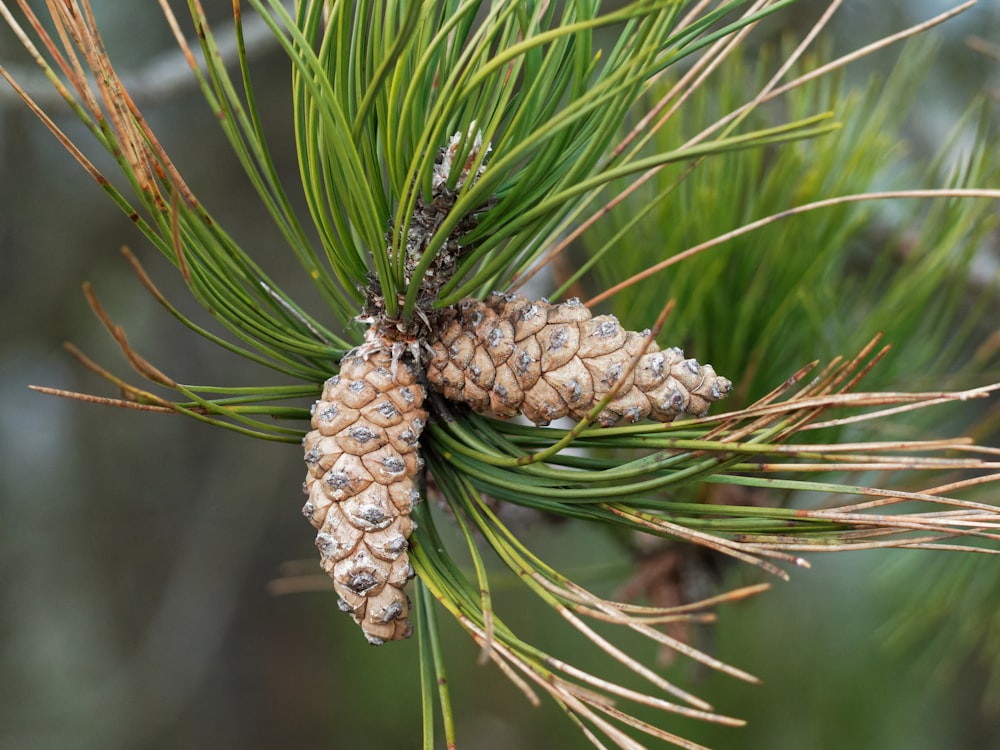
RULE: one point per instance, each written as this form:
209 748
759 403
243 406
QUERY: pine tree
448 152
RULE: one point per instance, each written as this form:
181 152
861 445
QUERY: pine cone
510 355
361 457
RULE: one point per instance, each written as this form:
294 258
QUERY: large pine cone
362 457
510 355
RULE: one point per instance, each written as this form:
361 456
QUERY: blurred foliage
822 283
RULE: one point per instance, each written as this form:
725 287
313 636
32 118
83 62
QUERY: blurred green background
136 551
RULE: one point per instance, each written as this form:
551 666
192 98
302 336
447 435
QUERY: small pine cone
510 355
361 458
